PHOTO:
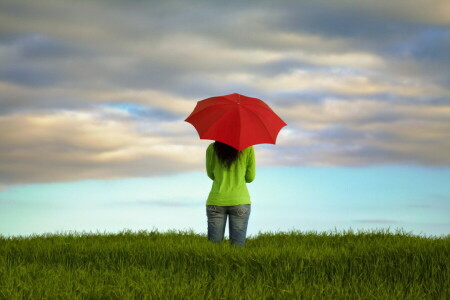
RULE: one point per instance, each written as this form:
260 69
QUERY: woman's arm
209 162
251 166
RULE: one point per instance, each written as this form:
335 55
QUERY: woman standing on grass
230 170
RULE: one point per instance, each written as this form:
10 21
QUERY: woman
230 170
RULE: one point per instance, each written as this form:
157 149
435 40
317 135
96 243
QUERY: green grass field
184 265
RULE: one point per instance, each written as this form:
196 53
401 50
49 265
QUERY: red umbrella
236 120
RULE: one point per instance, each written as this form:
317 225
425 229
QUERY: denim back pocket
242 211
211 210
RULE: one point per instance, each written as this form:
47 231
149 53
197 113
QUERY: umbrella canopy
236 120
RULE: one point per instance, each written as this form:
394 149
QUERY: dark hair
227 154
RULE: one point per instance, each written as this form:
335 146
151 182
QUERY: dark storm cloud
376 31
232 25
30 76
428 44
341 21
38 46
24 56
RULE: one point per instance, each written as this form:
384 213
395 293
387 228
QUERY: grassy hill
185 265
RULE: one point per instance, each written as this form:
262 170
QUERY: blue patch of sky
143 111
284 65
283 198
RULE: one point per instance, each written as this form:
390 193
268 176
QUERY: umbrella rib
207 107
264 124
240 122
224 115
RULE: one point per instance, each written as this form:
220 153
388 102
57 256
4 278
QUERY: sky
93 97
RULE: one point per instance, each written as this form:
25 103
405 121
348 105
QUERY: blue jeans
238 221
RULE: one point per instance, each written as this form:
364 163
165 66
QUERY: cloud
112 141
100 89
71 145
165 45
338 111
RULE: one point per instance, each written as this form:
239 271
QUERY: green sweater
229 185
